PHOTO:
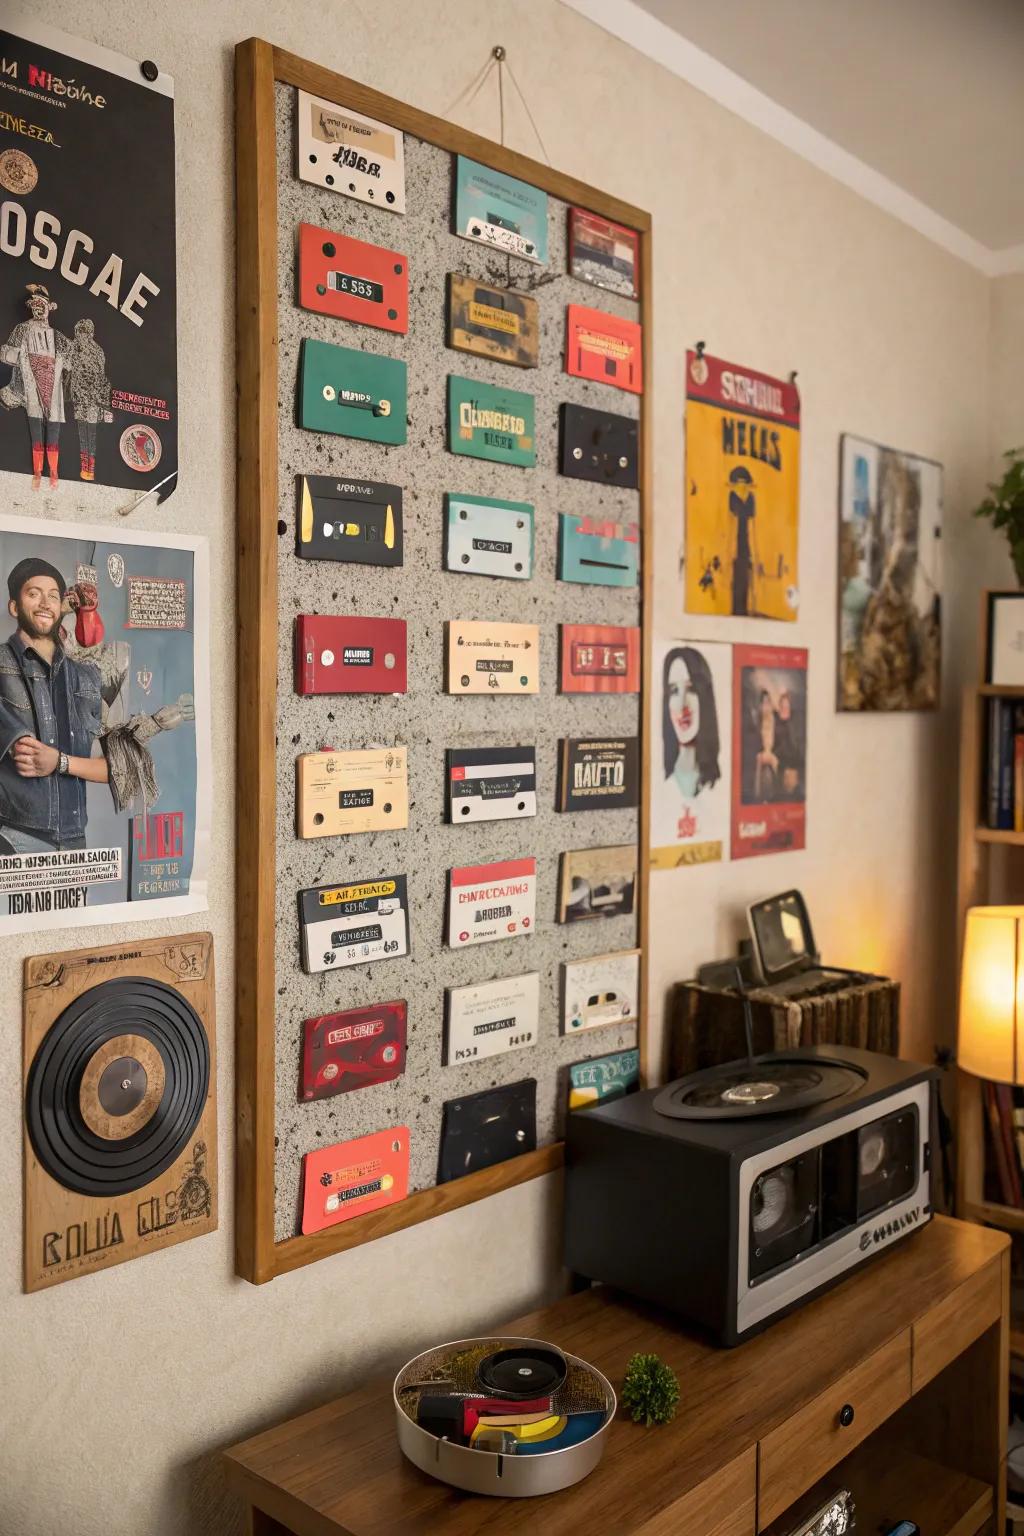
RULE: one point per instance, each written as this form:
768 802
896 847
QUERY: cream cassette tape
338 793
486 657
352 154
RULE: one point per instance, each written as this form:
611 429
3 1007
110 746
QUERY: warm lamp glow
992 994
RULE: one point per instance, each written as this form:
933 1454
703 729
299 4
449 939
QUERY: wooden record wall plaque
120 1113
483 434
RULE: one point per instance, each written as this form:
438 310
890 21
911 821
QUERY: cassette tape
357 1048
491 1018
603 1078
352 393
498 323
597 882
598 445
482 1129
491 901
486 421
485 537
596 775
604 253
600 658
603 989
598 551
350 153
500 211
353 924
356 521
485 657
603 348
352 280
337 653
338 793
354 1177
491 783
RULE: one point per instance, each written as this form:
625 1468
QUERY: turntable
735 1194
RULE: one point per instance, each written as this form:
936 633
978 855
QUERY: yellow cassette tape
343 792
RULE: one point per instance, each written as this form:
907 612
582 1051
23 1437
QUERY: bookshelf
990 872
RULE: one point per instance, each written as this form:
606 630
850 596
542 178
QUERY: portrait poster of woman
691 753
769 781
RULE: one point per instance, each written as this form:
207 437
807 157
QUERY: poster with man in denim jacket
103 741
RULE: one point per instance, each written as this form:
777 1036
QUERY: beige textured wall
116 1389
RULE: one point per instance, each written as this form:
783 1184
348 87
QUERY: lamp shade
991 1030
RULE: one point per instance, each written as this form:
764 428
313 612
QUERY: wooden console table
915 1344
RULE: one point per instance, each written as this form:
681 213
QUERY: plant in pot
1004 506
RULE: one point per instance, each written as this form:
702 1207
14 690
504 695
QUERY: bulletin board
275 1127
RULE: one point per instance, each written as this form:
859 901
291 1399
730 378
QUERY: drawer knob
846 1415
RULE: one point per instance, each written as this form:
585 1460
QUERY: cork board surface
425 719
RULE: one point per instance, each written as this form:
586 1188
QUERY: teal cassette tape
598 551
352 393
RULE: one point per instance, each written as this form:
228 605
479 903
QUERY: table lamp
991 1029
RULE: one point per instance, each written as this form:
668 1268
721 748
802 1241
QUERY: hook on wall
792 376
700 348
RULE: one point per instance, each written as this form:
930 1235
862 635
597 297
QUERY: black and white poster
88 366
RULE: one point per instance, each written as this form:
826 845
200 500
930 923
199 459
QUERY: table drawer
805 1446
947 1329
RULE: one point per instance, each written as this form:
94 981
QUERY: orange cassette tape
351 280
604 348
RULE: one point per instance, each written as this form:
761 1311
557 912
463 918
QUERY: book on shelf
1004 785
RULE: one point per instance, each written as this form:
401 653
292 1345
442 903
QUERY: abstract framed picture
890 579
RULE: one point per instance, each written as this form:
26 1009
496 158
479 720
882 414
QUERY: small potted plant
650 1390
1004 506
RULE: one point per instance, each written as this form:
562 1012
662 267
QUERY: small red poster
769 746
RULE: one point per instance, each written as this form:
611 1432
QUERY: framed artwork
1004 666
769 746
890 578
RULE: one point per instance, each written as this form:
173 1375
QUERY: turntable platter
766 1085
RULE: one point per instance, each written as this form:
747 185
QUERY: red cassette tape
351 280
335 654
604 348
353 1049
354 1177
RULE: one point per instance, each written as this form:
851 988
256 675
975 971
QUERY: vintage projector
735 1194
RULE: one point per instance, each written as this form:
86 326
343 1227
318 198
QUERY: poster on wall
769 745
88 365
742 491
104 726
692 755
890 578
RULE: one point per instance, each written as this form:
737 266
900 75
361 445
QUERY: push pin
700 348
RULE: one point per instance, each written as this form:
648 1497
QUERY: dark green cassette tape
351 393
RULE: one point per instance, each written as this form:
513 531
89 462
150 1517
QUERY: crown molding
645 33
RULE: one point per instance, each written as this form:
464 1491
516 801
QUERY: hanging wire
498 61
472 90
526 109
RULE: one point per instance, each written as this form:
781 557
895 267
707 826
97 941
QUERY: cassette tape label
491 783
486 421
599 775
597 445
353 924
489 538
351 393
602 990
350 153
354 1177
603 253
603 1078
337 653
352 280
600 658
492 322
492 658
598 551
357 521
604 348
500 211
353 1049
344 792
491 1018
491 901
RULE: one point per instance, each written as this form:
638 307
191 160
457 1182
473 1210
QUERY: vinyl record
765 1085
526 1371
117 1086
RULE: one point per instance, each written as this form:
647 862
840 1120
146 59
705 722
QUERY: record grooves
60 1112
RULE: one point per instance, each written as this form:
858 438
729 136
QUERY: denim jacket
59 705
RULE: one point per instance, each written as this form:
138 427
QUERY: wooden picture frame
258 67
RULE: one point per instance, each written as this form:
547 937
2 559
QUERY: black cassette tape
352 520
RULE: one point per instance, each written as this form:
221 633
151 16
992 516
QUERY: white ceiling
927 94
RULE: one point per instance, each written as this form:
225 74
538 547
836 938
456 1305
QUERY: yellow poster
742 491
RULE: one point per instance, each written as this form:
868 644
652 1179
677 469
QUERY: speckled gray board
426 719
